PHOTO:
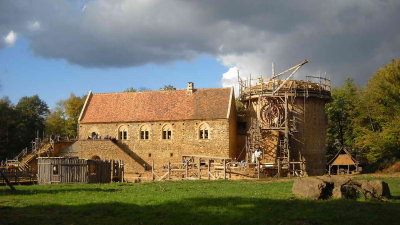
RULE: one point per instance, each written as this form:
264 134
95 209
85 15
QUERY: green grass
187 202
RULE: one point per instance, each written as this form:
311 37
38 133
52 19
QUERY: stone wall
136 152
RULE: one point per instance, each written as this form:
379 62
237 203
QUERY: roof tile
210 103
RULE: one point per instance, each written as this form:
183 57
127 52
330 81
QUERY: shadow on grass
209 211
55 191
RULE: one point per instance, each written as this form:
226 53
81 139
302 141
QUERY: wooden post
258 169
279 168
152 170
199 169
169 170
329 169
209 168
224 169
187 169
348 169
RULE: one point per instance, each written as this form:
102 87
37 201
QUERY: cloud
34 25
10 38
342 38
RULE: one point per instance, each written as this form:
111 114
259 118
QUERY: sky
57 47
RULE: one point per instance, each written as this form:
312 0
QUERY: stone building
159 126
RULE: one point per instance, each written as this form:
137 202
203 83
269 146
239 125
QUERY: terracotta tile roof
211 103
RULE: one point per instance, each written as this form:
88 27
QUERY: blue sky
24 74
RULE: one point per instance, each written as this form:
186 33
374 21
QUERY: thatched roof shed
343 158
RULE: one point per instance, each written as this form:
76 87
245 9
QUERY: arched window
167 132
204 131
94 135
144 132
123 132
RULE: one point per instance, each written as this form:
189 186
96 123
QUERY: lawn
188 202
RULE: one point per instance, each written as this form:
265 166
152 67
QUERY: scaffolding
269 107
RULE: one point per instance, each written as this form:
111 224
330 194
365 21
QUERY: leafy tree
378 125
141 89
341 112
168 88
7 127
73 108
367 120
131 89
31 113
64 119
56 122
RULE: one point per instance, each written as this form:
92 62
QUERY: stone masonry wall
135 152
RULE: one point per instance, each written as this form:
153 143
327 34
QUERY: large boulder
373 188
312 188
339 187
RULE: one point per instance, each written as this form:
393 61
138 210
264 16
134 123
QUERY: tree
341 112
7 127
64 119
141 89
73 108
56 123
31 113
131 89
378 125
168 88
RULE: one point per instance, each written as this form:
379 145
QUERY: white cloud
10 38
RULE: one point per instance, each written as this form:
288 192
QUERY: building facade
158 126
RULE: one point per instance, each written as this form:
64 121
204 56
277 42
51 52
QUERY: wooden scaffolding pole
152 170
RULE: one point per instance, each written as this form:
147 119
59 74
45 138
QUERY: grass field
188 202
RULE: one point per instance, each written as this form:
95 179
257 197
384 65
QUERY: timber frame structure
269 107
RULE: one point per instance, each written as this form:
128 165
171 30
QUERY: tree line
366 119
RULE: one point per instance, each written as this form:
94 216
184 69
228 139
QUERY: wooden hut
342 163
73 170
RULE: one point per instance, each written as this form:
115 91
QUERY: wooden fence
206 169
14 175
72 170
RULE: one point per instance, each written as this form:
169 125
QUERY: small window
144 132
123 133
55 169
149 155
167 132
171 154
204 131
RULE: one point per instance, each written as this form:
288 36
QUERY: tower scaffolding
272 115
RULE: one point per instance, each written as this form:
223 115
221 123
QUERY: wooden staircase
23 159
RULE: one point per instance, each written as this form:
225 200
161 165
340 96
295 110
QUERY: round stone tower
286 119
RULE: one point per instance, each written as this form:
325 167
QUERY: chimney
190 88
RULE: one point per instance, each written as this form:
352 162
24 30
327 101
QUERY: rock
337 192
374 188
339 187
338 181
312 188
349 191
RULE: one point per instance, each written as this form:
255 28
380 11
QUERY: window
123 133
55 169
167 132
144 132
204 131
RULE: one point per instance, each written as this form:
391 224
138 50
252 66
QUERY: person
257 154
